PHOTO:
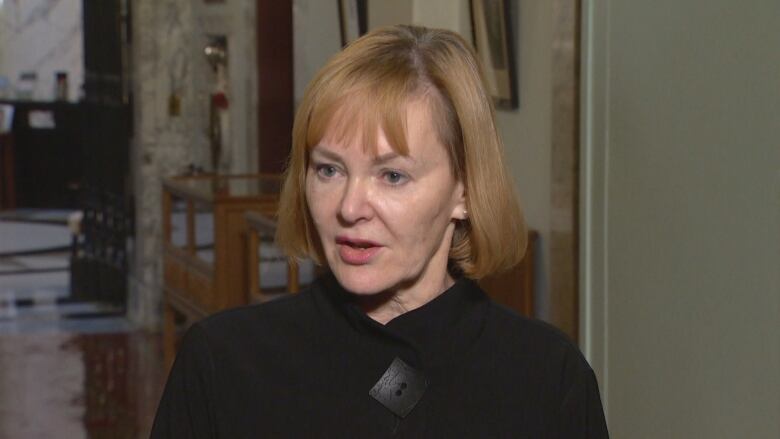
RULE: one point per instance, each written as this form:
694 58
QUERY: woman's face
386 220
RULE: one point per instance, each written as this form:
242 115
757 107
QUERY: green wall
681 215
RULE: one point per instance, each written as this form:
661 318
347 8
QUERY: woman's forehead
376 128
421 140
355 144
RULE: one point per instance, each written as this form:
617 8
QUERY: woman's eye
326 171
394 177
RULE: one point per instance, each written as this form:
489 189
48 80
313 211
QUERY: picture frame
492 34
353 19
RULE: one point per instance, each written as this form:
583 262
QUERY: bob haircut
367 86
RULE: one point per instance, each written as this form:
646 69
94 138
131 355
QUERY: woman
397 185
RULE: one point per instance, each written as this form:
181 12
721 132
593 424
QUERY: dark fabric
303 367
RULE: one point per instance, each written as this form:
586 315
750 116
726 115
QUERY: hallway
67 369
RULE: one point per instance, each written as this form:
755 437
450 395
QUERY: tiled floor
72 386
61 375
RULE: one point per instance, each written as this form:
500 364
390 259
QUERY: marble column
168 41
163 144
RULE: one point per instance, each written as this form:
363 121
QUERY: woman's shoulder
270 312
285 318
519 336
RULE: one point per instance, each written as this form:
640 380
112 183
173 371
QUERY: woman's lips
355 251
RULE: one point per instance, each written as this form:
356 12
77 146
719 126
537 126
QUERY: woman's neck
387 305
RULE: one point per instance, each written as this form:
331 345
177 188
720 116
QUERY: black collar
439 332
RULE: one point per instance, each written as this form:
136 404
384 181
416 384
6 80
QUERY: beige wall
42 43
317 34
445 14
316 37
389 12
681 219
527 131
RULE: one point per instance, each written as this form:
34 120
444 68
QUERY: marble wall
41 36
168 41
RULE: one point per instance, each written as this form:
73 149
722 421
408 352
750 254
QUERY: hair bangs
355 118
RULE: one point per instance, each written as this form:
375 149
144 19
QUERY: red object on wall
220 100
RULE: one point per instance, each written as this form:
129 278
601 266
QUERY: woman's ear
459 211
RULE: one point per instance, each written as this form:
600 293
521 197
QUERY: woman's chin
362 281
360 286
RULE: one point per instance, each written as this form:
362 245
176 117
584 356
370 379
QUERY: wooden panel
236 273
201 289
211 287
515 288
222 257
275 83
175 274
261 224
253 273
564 191
169 334
167 200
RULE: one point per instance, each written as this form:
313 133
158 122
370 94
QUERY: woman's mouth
355 251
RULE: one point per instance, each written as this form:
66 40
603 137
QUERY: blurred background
142 143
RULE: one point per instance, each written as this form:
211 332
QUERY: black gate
99 259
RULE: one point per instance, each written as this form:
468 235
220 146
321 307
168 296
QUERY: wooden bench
206 274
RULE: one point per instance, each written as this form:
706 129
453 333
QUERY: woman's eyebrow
384 158
326 153
322 151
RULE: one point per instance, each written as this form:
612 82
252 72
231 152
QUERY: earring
465 214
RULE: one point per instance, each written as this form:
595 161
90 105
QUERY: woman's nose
356 201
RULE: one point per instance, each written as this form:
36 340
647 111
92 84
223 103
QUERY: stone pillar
165 62
168 60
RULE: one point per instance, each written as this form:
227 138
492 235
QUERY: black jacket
314 365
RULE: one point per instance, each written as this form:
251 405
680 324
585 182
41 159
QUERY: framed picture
491 27
353 19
